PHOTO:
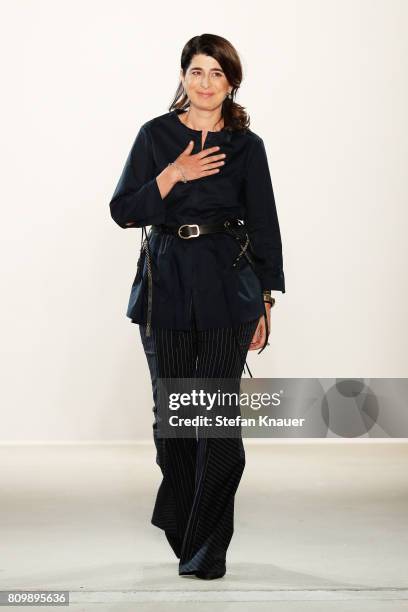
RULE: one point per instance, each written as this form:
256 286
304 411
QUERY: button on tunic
195 276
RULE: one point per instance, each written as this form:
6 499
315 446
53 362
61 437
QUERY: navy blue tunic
197 274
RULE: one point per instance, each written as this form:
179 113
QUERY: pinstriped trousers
195 501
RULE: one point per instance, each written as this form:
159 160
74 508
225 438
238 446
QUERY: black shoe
211 575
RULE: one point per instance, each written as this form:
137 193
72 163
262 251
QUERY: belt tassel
146 248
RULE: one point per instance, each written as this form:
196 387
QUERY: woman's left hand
260 333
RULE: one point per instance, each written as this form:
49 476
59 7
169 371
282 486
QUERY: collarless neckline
186 127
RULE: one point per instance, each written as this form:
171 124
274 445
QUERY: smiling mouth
206 95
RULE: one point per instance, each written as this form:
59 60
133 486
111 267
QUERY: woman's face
205 82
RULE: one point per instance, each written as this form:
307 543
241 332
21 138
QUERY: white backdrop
326 88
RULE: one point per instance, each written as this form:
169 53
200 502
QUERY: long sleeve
137 201
262 219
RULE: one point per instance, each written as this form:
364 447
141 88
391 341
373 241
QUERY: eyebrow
198 68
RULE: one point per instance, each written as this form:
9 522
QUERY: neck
203 120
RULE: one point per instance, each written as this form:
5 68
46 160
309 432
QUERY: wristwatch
267 297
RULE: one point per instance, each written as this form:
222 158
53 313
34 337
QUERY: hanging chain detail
237 237
146 247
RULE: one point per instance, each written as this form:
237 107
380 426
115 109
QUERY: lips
205 95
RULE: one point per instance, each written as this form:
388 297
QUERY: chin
211 101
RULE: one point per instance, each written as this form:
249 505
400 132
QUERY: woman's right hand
200 164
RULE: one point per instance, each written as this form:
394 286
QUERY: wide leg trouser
195 501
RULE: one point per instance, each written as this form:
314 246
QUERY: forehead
204 61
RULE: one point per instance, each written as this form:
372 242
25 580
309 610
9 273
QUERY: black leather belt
193 230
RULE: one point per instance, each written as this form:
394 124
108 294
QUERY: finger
212 159
260 334
208 172
211 165
254 347
208 151
255 340
189 148
220 156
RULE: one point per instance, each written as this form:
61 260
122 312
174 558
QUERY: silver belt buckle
189 225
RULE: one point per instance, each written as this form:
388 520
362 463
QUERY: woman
202 291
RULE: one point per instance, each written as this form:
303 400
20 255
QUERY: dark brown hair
234 115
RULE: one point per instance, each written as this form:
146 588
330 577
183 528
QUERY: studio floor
318 526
